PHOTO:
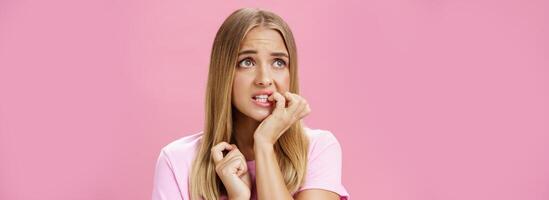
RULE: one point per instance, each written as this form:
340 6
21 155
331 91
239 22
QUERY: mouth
261 99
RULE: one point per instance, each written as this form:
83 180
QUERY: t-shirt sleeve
324 166
165 185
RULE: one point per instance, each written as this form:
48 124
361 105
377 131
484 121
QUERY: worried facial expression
262 68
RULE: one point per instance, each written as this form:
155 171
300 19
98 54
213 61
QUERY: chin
260 115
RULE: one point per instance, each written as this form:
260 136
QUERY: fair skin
263 66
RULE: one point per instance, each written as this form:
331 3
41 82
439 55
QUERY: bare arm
269 180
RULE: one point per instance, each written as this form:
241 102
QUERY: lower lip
261 104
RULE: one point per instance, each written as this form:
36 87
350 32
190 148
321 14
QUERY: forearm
238 198
269 181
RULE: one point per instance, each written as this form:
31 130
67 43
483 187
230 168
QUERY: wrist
260 140
263 139
236 195
239 198
263 146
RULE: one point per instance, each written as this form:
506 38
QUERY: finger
303 104
280 100
290 98
236 165
233 152
217 151
233 162
298 104
228 165
299 110
242 170
236 154
305 111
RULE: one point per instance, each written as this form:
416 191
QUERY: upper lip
261 92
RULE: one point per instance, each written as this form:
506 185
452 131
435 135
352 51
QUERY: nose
263 77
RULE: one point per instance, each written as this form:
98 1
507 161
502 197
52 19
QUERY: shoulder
324 163
173 167
320 140
181 152
320 137
183 143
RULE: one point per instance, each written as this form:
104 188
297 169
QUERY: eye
279 63
246 63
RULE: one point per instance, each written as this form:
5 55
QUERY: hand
232 170
282 117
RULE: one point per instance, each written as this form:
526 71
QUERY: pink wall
429 99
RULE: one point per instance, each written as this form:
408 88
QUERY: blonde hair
291 148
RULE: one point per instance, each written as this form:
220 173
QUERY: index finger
290 98
280 100
217 151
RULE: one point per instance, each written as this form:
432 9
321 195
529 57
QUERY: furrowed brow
280 54
247 52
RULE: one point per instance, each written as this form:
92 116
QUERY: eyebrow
280 54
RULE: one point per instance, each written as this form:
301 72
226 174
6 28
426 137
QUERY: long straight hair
291 148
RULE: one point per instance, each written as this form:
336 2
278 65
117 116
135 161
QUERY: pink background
429 99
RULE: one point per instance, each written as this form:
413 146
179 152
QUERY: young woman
253 145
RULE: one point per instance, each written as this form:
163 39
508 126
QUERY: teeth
261 98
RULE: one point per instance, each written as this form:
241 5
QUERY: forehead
261 38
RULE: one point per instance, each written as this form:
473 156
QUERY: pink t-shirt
171 179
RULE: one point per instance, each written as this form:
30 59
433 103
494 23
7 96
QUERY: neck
243 135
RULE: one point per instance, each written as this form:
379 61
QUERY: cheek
240 86
283 82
